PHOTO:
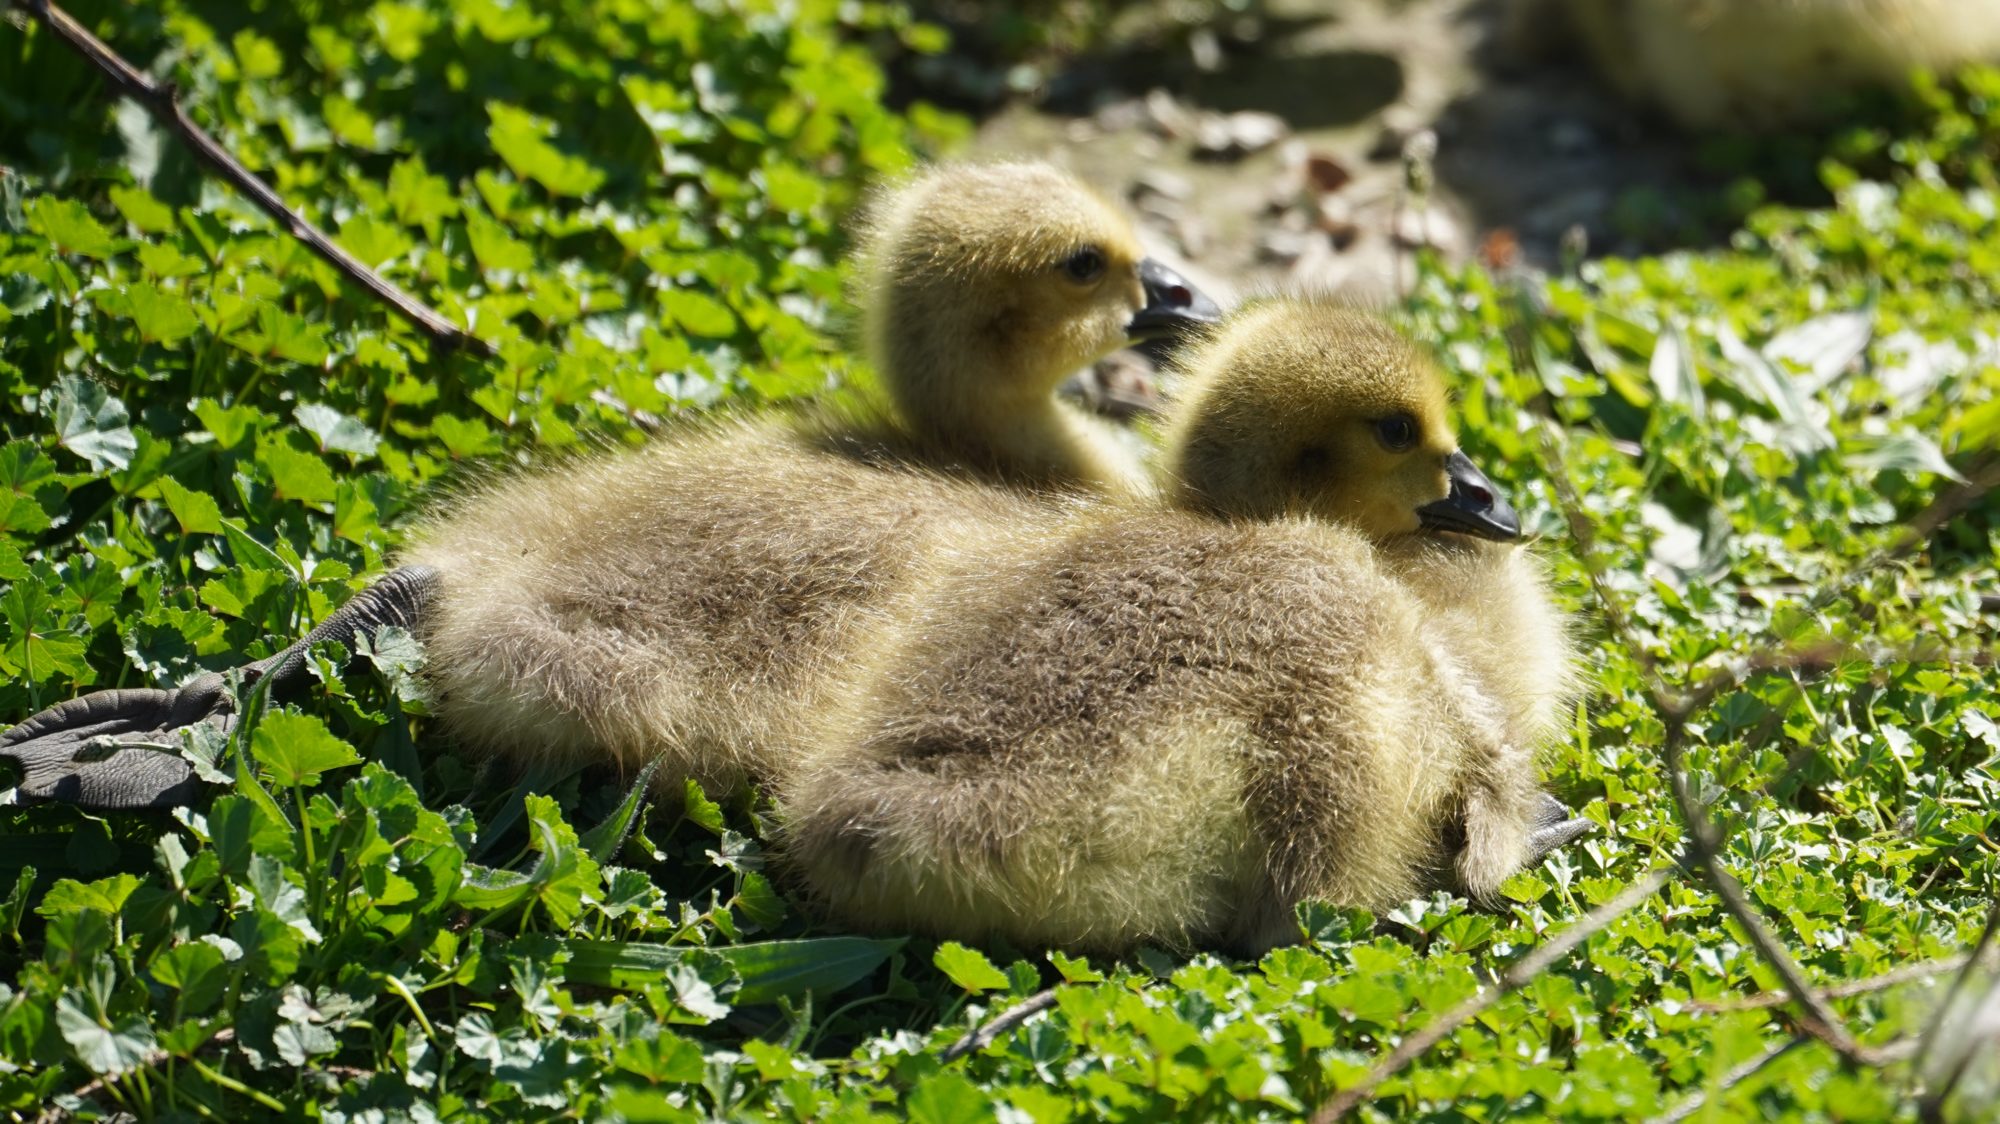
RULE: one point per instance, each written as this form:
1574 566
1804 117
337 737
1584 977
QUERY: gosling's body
1157 727
1765 64
1168 725
688 602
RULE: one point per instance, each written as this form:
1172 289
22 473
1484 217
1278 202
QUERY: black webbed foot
71 752
120 750
1554 827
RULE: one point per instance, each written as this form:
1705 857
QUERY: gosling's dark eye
1311 461
1084 266
1397 432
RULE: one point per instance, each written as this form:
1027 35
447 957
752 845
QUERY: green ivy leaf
969 968
142 210
698 313
196 512
91 423
106 1050
296 476
70 228
337 433
521 139
295 749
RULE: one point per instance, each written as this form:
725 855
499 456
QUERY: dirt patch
1528 150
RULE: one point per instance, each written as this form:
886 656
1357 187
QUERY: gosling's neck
981 400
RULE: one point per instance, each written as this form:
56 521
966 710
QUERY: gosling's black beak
1473 507
1174 308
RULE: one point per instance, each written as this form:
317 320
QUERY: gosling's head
1296 406
984 286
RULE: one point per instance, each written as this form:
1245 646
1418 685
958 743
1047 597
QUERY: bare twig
1932 1102
1673 709
1976 1041
163 103
1737 1076
1513 979
982 1037
1908 973
1817 1017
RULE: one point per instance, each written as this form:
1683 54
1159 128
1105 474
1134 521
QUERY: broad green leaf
105 1049
1075 969
969 968
699 809
295 749
250 552
229 424
372 241
256 56
564 873
295 475
71 228
38 645
275 333
197 970
142 210
666 1058
91 423
462 438
522 140
495 248
160 316
420 199
25 476
196 512
337 432
948 1098
698 313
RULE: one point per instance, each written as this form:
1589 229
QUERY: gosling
982 288
1762 65
1304 408
686 602
1172 724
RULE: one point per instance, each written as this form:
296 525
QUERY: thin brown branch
983 1036
1513 979
163 103
1976 1042
1737 1076
1816 1016
1673 710
1908 973
1932 1102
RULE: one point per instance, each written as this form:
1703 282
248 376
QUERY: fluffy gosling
982 288
1149 725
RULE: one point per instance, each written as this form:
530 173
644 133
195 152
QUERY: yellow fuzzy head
1297 406
984 286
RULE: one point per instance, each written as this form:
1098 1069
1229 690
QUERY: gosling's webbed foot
1554 827
119 750
72 751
